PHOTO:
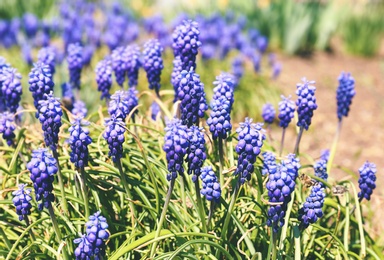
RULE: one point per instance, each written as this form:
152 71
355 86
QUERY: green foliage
16 8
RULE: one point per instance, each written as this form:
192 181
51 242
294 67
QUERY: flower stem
334 147
286 222
127 190
346 226
61 184
162 217
296 235
85 192
30 231
200 206
296 151
282 142
229 215
210 214
221 160
57 229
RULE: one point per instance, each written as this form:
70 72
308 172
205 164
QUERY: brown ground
362 135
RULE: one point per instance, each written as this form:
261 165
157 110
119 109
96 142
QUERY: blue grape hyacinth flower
75 64
286 111
49 115
119 60
79 109
97 234
320 165
175 76
79 140
155 110
306 103
84 250
133 64
114 135
7 127
269 164
22 201
40 82
345 93
104 77
122 103
43 167
224 86
175 146
192 96
196 151
153 63
268 113
11 89
186 43
251 138
210 186
219 121
67 95
311 211
367 180
47 55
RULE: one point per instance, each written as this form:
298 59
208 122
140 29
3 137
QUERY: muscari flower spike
269 163
119 60
175 147
238 68
67 95
311 211
268 113
79 140
210 185
84 250
224 86
192 96
114 135
367 180
345 93
153 63
306 103
320 166
7 127
49 115
47 56
11 89
196 151
42 167
104 77
186 43
40 82
280 186
22 201
251 139
155 110
175 76
122 103
97 234
292 163
286 111
133 64
219 121
75 64
79 109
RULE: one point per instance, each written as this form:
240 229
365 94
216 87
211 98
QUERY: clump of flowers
114 135
153 63
175 147
119 64
286 111
367 180
22 201
75 64
40 82
122 103
43 167
104 77
11 89
268 113
210 185
79 140
320 166
175 75
7 127
248 148
345 93
306 103
219 121
312 208
47 56
133 64
224 86
196 151
79 109
269 163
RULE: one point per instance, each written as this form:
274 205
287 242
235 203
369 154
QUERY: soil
362 135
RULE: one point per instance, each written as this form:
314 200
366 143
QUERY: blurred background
313 39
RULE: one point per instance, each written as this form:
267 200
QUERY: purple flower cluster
211 187
286 111
114 135
67 95
186 43
155 110
133 64
306 103
79 140
345 93
268 113
22 201
175 75
47 55
119 60
219 120
7 127
153 63
175 147
196 151
367 180
312 208
93 243
248 148
320 166
238 68
43 167
192 96
79 109
269 163
40 82
122 103
11 89
104 77
75 64
224 86
49 115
